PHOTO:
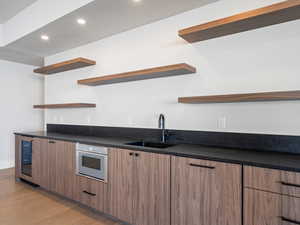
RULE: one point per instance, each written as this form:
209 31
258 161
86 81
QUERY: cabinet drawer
290 210
290 183
277 181
92 193
262 179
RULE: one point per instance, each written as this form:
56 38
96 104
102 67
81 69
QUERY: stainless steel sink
150 144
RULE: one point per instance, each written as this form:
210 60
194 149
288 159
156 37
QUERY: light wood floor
21 204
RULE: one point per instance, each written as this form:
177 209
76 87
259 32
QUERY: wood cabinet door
53 170
45 164
17 156
120 183
64 162
152 203
36 160
261 208
61 171
206 192
69 170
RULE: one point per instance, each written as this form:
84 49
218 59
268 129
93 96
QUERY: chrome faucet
161 125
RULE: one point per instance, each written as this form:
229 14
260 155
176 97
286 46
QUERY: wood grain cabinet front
92 193
17 157
262 179
290 183
65 167
45 165
261 208
290 210
139 187
266 208
152 189
206 192
58 167
277 181
271 197
120 179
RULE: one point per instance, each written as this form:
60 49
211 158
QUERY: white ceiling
104 18
10 8
20 57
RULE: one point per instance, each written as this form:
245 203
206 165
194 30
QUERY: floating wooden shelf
61 106
252 97
164 71
266 16
65 66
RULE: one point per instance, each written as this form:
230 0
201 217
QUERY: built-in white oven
91 161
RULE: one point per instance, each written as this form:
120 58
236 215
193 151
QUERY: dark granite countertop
272 160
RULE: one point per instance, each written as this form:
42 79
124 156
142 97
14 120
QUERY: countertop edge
158 151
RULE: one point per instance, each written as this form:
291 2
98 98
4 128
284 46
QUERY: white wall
20 89
266 59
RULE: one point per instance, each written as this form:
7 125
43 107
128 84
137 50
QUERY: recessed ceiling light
136 1
45 37
81 21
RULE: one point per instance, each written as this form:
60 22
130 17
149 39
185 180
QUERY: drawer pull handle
51 142
89 193
201 166
290 185
289 221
